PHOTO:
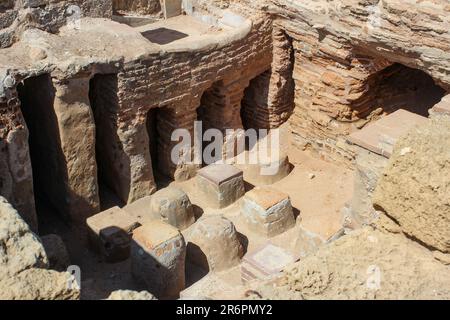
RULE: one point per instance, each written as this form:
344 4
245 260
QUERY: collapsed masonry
91 91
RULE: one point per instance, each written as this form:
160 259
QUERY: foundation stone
267 211
158 257
221 185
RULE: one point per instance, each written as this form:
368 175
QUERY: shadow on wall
399 87
50 175
112 162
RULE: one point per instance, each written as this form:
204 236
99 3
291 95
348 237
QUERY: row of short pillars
149 230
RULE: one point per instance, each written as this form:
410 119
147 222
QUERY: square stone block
221 184
265 263
158 255
267 211
110 233
171 8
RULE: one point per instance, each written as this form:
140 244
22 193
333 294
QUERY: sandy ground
318 191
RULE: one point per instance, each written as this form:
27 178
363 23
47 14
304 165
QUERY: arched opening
399 87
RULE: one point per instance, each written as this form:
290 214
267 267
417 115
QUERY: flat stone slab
110 233
141 210
219 173
265 263
442 107
381 136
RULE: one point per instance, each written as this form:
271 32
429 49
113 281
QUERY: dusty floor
317 201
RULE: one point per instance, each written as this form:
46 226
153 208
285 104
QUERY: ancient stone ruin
224 149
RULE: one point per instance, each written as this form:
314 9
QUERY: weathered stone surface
20 248
267 211
23 262
141 210
221 185
442 108
56 251
38 284
306 243
213 244
174 207
131 295
350 268
158 257
110 233
369 167
414 189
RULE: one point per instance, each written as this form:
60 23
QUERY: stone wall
343 49
177 81
100 111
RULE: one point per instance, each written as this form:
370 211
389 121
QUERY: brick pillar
269 100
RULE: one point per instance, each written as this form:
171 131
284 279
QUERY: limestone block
267 211
158 257
213 244
220 184
414 188
20 248
173 206
39 284
109 233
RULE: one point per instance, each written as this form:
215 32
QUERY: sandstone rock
213 244
56 251
366 264
131 295
20 249
38 284
414 188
